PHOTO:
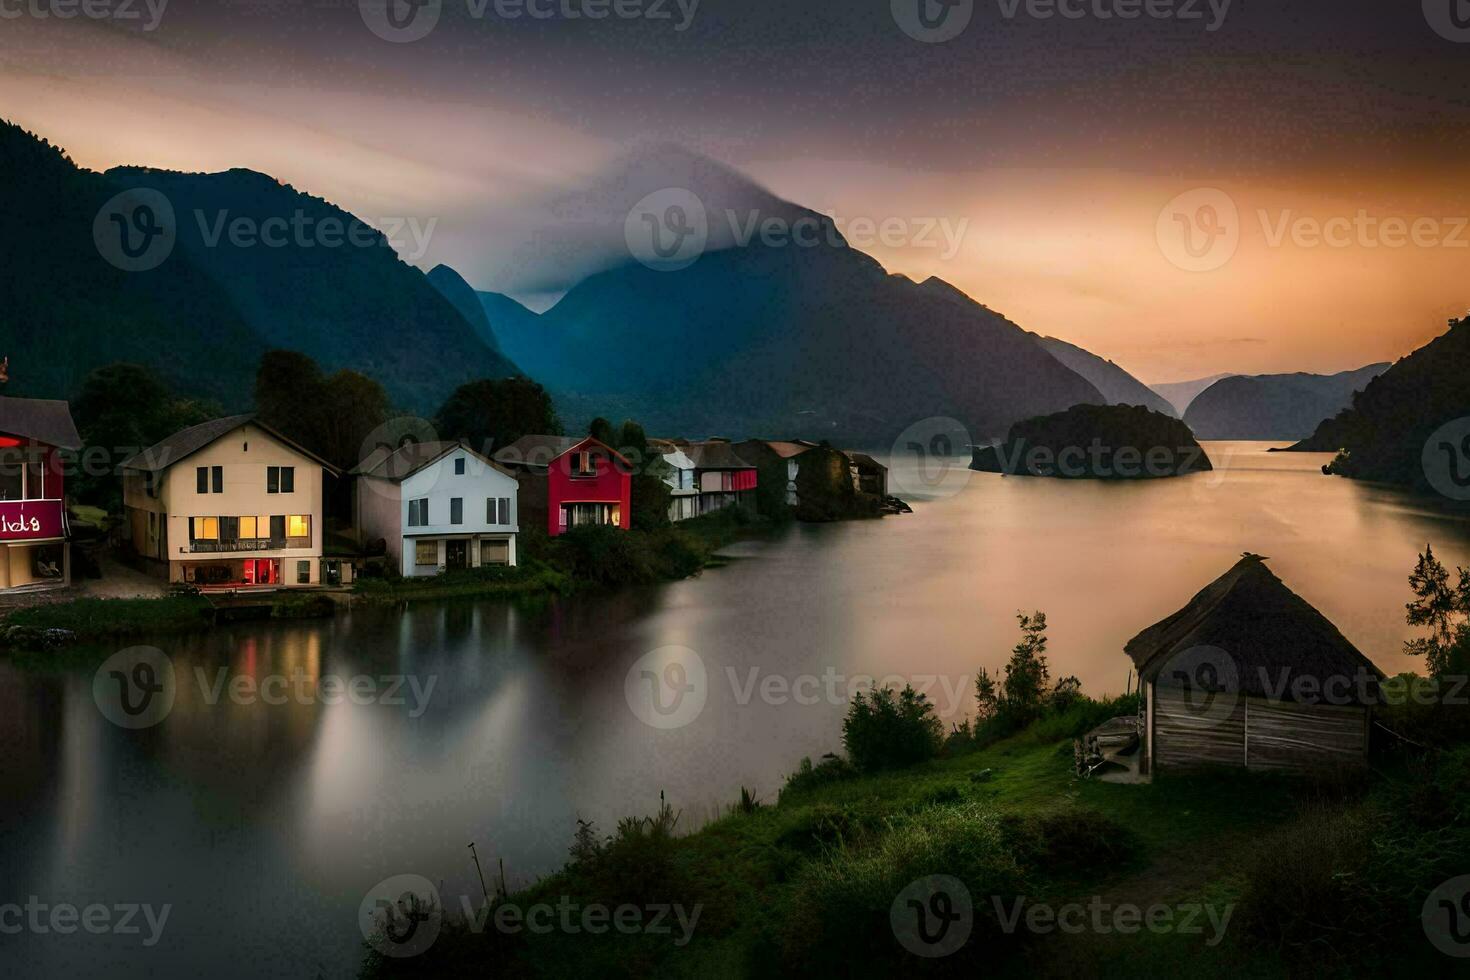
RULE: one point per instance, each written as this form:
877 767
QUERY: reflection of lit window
206 528
298 526
248 527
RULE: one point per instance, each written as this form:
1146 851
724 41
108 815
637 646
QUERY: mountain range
1117 385
1274 406
1180 394
255 264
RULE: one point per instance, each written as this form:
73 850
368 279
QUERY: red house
568 481
33 529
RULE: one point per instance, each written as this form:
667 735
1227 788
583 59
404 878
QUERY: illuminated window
426 553
249 527
206 529
298 526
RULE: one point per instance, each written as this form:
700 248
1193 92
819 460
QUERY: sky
1187 187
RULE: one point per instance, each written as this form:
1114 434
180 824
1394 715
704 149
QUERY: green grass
527 580
100 619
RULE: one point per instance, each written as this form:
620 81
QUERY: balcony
31 520
246 545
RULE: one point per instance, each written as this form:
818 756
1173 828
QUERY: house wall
439 484
608 484
377 505
244 455
1257 734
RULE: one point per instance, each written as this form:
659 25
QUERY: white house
439 506
683 494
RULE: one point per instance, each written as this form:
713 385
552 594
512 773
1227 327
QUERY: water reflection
264 824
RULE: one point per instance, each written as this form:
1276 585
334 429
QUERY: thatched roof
1266 628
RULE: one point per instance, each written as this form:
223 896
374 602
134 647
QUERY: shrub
1070 841
831 769
304 606
888 730
839 914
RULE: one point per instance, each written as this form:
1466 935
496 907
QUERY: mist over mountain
1274 406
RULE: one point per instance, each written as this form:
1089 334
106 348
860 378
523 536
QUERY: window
248 527
494 552
217 476
576 515
426 553
497 510
278 527
459 466
229 529
303 573
201 479
288 479
204 529
298 526
582 464
456 510
418 513
272 479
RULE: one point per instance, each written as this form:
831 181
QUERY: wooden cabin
1249 674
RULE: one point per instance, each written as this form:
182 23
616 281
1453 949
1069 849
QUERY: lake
263 817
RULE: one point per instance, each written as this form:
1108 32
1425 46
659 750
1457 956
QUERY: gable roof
186 442
1264 626
863 459
787 450
46 421
538 451
716 456
400 464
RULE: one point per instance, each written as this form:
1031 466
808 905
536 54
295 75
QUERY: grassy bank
104 619
1316 878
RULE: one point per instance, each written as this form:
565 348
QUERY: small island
1096 442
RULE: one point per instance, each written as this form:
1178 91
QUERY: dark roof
186 442
863 459
716 456
47 422
537 451
1268 630
400 464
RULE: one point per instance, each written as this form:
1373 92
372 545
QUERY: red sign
30 520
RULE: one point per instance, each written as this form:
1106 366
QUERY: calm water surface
263 826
